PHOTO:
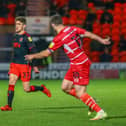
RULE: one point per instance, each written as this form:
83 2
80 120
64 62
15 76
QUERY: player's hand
29 57
106 41
36 69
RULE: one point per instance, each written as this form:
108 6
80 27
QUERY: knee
65 89
26 90
12 81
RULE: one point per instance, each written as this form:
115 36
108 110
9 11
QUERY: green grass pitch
36 109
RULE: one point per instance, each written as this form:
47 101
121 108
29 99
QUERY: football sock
10 94
73 92
36 88
89 101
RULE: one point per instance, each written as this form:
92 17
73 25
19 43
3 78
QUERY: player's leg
89 101
32 88
86 98
12 81
25 77
67 84
13 76
81 80
67 87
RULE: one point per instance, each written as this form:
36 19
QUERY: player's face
19 27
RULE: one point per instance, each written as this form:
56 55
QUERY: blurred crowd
11 8
105 18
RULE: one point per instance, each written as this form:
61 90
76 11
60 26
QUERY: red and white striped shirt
70 39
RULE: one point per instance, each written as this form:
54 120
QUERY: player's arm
84 33
40 55
45 53
105 41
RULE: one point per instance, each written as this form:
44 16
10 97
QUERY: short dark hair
21 19
56 19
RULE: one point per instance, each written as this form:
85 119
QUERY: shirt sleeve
80 30
31 45
54 45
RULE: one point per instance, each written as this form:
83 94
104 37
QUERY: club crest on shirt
51 45
21 39
30 39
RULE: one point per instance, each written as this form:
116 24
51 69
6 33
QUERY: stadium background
103 17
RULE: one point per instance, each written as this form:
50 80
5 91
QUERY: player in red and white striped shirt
77 77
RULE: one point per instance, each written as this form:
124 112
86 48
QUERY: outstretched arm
42 54
105 41
45 53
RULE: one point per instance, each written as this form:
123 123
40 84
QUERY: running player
19 67
77 77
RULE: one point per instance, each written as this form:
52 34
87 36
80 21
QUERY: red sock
36 88
73 92
89 101
32 88
11 87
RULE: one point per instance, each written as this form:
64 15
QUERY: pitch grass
35 109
